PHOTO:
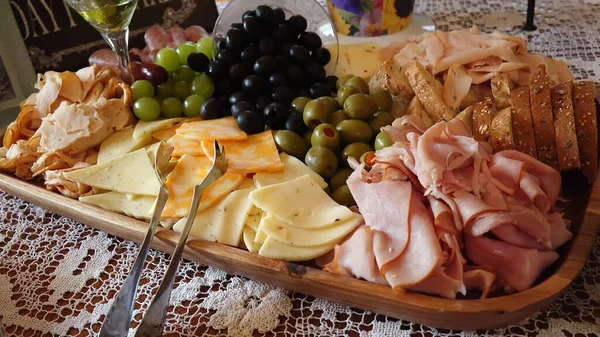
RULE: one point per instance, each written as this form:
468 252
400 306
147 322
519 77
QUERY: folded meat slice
404 125
557 236
391 223
446 279
479 279
442 216
518 267
356 257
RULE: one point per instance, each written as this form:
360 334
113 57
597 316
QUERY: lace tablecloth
57 276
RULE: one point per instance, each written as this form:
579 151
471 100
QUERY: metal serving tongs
118 318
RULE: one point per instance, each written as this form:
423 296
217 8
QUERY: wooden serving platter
583 210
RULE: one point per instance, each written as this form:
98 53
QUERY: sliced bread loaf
543 120
429 91
483 113
584 93
521 121
501 133
564 126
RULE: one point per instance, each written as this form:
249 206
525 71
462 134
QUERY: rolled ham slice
156 38
195 33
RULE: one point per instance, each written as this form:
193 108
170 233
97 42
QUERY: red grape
150 72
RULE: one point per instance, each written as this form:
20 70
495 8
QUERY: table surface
57 276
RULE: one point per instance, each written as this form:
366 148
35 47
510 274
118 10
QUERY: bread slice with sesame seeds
501 131
483 114
466 116
391 78
584 106
564 126
416 108
522 123
543 120
501 87
429 90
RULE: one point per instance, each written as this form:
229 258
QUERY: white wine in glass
111 18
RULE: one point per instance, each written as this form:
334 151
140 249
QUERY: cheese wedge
257 153
223 222
139 206
308 237
131 173
255 215
146 128
248 240
246 183
183 146
120 143
274 249
214 129
188 173
292 168
358 59
300 202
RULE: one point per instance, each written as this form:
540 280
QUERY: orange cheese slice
219 129
183 146
188 173
257 153
164 135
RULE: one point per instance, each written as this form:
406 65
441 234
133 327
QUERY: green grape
142 88
160 98
181 90
146 108
206 45
184 50
184 73
168 59
203 85
165 89
192 105
171 107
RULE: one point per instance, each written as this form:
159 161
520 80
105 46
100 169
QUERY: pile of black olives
261 65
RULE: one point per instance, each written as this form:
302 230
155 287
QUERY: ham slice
446 280
177 35
479 279
195 33
401 127
156 38
519 267
456 86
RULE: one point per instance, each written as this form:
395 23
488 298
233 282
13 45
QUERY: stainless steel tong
118 318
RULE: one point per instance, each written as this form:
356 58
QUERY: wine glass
111 18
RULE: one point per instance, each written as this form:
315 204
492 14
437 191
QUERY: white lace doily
57 276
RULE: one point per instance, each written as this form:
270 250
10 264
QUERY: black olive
297 24
224 86
251 27
310 40
234 39
267 45
277 80
253 84
227 57
280 14
262 102
238 96
300 54
211 109
322 56
282 33
267 16
237 25
248 13
304 92
250 122
265 65
249 55
316 72
283 95
330 82
237 72
295 75
240 107
275 115
295 123
283 62
198 62
215 70
221 44
225 107
319 90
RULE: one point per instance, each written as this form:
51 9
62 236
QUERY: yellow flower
393 23
341 26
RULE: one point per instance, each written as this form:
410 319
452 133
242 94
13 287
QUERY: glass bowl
316 16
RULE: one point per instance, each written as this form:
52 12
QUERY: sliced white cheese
145 128
300 202
248 241
297 236
293 168
274 249
131 173
120 143
260 236
254 217
139 207
223 222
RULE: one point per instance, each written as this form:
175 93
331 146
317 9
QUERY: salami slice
156 38
177 35
104 57
195 33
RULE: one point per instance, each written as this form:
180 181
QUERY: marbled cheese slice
214 129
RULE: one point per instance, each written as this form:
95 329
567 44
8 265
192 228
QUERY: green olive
290 143
307 136
315 113
359 83
299 103
337 117
327 190
339 178
354 130
381 119
325 135
342 80
342 196
344 92
360 106
331 102
382 140
383 99
366 158
354 150
321 160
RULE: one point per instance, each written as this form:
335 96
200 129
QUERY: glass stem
118 43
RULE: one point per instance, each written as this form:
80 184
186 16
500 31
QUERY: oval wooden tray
465 314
